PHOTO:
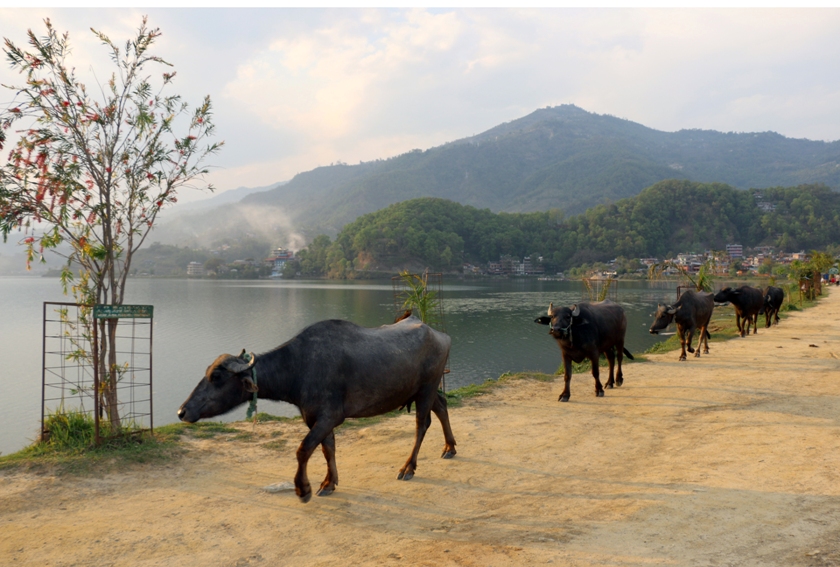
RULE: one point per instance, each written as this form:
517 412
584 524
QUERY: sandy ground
730 459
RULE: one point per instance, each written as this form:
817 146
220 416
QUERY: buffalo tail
628 355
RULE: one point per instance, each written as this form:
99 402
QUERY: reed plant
418 297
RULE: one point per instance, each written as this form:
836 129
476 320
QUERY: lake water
490 321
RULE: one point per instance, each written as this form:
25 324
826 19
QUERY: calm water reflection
490 321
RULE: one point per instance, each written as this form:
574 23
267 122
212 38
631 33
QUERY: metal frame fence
68 379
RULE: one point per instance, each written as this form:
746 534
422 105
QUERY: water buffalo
584 331
773 299
747 302
333 370
692 312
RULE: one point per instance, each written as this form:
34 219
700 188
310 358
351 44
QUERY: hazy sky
297 88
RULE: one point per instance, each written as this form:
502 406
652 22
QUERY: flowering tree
92 168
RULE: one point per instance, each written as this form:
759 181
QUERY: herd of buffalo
334 370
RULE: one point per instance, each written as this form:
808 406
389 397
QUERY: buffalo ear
544 320
249 384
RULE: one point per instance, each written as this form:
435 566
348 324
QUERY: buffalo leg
439 407
567 377
704 336
619 376
330 482
596 373
739 324
422 416
681 333
611 361
318 432
755 324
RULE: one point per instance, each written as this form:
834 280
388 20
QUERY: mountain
558 157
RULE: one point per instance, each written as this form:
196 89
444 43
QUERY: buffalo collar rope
252 407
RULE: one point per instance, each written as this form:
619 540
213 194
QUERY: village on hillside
735 260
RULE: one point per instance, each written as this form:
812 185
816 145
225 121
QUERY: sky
294 89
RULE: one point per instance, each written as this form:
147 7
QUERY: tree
92 169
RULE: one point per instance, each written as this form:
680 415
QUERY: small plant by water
418 297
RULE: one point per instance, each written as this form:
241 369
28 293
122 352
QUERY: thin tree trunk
113 376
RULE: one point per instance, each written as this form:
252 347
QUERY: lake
490 321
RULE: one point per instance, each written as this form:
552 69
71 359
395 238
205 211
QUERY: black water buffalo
692 312
747 302
773 299
333 370
584 331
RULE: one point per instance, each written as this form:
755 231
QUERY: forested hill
669 217
561 157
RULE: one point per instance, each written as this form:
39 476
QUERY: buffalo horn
575 310
236 365
671 310
550 308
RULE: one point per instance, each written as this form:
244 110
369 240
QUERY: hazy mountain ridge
561 157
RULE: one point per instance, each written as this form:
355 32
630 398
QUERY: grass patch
207 429
267 417
70 448
275 445
586 365
455 398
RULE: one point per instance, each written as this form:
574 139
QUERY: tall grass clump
71 431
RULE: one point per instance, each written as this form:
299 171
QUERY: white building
735 250
195 269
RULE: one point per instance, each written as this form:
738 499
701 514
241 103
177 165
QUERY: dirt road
730 459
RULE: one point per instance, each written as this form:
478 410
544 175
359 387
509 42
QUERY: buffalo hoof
306 497
705 351
697 354
608 385
405 475
599 394
619 381
447 455
690 349
682 357
563 398
327 488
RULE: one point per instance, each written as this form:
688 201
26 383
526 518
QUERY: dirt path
732 459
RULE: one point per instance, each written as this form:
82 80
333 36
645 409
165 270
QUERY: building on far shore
278 260
195 269
735 250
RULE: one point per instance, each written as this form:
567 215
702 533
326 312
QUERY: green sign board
123 311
